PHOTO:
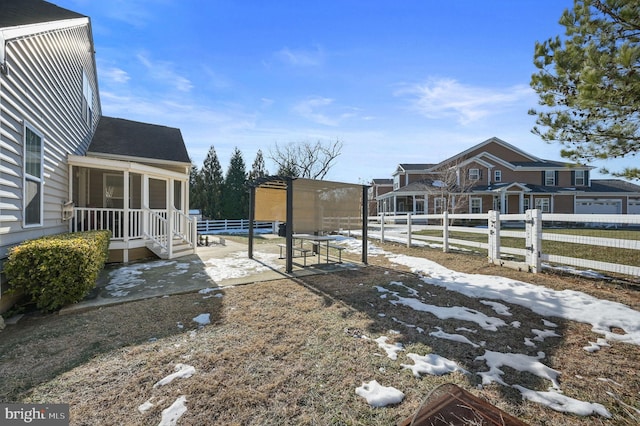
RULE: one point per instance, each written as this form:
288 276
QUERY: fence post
194 232
494 236
533 239
382 229
445 231
408 230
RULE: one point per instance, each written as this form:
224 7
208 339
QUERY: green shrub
58 270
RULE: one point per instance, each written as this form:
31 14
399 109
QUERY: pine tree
212 183
196 196
235 195
589 83
258 169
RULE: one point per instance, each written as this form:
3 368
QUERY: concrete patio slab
215 266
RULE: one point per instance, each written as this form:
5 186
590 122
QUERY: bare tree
452 186
306 159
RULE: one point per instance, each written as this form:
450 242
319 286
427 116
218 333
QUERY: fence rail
223 225
609 243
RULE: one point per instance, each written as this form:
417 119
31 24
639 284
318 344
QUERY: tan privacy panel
271 204
323 206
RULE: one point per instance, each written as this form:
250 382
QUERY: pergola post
289 226
252 215
365 223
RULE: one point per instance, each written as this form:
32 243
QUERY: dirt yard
291 352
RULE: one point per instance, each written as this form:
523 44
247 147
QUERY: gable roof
15 13
382 181
487 142
117 137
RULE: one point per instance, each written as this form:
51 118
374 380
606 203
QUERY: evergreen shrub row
57 270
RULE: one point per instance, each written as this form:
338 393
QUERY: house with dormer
495 175
66 167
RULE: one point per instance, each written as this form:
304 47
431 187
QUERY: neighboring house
377 188
65 167
495 175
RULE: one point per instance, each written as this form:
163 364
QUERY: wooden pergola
308 206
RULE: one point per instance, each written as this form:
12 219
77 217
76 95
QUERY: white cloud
301 57
114 75
444 98
163 71
314 109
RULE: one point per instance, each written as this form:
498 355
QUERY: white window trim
479 200
582 178
497 175
87 95
540 204
31 178
550 176
475 172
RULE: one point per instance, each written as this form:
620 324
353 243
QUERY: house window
579 178
87 100
549 178
474 174
476 205
437 205
33 161
543 205
497 176
525 204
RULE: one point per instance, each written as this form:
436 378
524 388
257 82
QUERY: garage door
633 207
598 206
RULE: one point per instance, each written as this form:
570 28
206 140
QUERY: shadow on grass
358 289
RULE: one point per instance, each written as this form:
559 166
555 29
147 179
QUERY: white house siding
43 88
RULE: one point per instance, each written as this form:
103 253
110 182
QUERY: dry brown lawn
289 352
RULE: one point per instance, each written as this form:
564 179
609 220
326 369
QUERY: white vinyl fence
228 225
527 241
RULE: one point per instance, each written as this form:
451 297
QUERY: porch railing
92 219
154 225
157 232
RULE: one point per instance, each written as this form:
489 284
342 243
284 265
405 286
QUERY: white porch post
170 217
145 205
503 201
125 219
70 194
521 202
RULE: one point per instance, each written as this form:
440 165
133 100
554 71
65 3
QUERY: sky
415 81
493 291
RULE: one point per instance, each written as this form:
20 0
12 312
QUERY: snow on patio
602 315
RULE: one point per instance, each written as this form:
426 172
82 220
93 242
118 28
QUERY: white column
521 202
125 216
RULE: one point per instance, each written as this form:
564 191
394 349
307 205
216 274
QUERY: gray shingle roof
382 181
612 185
414 166
118 136
25 12
544 163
